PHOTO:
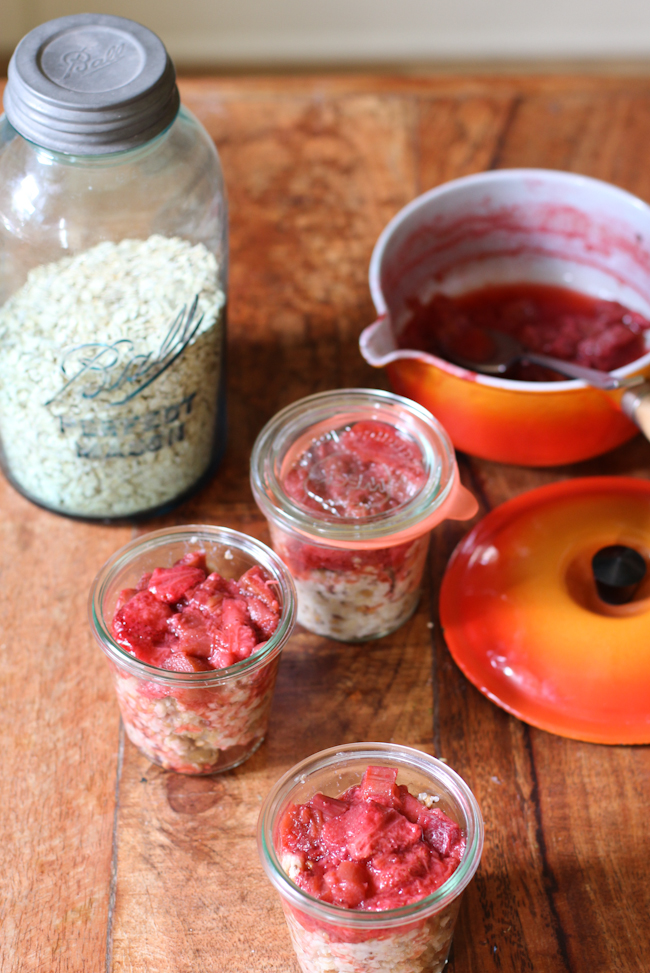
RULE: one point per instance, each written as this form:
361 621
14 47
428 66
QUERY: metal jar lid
90 84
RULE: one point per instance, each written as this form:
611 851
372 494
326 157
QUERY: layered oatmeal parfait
370 846
192 621
351 483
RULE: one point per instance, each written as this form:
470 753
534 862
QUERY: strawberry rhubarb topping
374 847
185 619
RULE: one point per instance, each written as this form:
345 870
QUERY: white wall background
232 32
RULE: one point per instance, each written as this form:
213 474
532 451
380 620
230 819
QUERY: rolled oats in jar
113 259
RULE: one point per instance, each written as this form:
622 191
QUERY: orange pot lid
523 619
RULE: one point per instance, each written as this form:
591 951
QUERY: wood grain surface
110 865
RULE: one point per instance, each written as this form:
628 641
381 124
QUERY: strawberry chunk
300 830
186 612
235 634
141 624
442 833
265 619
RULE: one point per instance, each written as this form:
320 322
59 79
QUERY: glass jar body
415 947
196 730
202 722
112 318
351 482
352 595
411 939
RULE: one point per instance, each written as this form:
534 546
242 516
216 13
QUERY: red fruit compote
371 876
549 320
194 651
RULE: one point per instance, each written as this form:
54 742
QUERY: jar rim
387 753
338 407
192 533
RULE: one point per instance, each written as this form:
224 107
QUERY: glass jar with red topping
351 483
370 846
192 620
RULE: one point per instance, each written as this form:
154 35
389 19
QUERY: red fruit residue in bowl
546 319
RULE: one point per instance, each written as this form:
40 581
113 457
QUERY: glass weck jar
396 928
113 260
192 621
351 482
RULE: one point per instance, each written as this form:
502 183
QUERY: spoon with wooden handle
504 350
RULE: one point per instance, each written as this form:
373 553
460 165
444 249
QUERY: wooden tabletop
111 865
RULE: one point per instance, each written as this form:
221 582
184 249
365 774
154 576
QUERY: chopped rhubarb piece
255 582
348 884
194 559
394 869
370 829
411 807
170 584
379 784
330 807
209 595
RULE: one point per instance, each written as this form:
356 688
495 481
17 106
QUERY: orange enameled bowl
508 226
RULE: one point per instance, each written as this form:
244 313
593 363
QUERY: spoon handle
636 406
601 380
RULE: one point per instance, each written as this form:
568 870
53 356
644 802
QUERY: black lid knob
618 572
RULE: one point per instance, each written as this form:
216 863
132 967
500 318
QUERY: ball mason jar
192 722
358 577
414 938
113 262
